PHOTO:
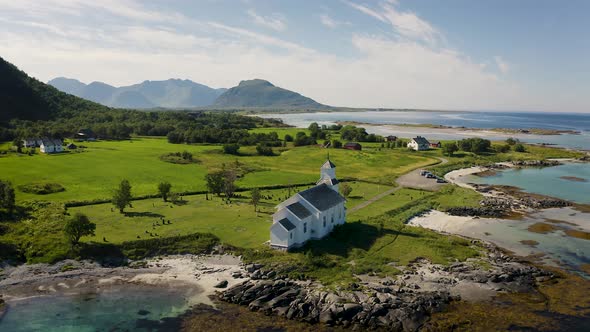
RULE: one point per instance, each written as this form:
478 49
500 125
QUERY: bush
264 150
231 148
184 157
288 138
41 188
519 148
197 243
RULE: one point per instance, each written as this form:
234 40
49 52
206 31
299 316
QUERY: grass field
95 172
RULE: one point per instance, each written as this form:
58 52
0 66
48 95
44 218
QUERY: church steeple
328 174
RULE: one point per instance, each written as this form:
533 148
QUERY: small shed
435 145
353 146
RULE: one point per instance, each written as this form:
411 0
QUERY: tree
345 189
164 190
18 144
256 196
336 144
7 197
511 141
229 182
215 182
449 148
288 138
122 196
77 227
519 148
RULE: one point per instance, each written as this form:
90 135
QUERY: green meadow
93 172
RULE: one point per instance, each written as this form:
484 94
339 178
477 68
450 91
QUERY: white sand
201 271
458 177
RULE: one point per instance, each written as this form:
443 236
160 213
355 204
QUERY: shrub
264 150
519 148
184 157
231 148
41 188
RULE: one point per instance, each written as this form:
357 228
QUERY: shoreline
200 274
456 130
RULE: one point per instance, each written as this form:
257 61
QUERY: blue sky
455 54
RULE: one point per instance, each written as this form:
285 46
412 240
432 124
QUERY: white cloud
275 22
503 66
407 24
397 73
330 22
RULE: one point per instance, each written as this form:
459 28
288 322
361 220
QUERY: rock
143 312
221 284
327 317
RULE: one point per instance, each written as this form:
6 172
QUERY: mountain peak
256 81
262 93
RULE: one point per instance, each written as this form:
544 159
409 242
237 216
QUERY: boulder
221 284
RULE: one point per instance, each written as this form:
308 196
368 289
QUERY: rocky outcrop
401 304
535 163
483 211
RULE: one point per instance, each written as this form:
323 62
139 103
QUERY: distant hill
172 93
23 97
261 93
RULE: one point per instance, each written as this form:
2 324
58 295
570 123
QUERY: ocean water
483 120
546 181
119 308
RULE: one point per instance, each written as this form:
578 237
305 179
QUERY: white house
309 214
31 142
51 145
419 144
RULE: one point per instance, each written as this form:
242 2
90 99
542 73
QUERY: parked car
440 180
423 172
430 176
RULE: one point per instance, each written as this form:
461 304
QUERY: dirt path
412 179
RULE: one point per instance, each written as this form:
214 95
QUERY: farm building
435 145
391 138
51 145
85 135
353 146
309 214
419 143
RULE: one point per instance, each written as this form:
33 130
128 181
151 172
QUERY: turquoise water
546 181
483 120
117 308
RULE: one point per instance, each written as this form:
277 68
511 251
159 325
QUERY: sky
506 55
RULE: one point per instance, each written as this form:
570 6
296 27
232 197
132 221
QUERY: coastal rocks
221 284
484 211
401 304
535 163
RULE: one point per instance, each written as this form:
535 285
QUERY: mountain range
172 93
176 93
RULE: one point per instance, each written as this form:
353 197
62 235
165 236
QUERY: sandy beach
199 274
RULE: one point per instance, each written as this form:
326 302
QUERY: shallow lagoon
548 181
117 308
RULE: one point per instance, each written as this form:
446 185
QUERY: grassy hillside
23 97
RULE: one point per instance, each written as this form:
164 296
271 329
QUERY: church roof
420 140
299 210
328 164
286 224
322 197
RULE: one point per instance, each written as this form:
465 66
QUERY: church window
304 227
332 218
324 223
291 235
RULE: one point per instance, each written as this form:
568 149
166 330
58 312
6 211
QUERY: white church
309 214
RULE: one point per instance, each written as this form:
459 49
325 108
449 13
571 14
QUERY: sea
377 122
